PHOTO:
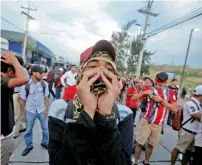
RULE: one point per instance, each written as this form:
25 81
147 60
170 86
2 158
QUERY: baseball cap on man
37 68
198 90
102 45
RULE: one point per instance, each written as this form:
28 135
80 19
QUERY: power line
184 16
175 21
174 25
12 24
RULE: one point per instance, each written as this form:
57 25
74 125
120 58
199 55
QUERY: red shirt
144 90
161 111
50 76
70 92
129 101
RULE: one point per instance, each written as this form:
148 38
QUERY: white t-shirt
198 137
189 109
68 78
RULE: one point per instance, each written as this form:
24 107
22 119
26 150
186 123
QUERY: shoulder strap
69 110
187 121
27 86
196 104
43 84
191 118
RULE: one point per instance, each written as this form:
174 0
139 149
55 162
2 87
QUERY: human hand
107 100
157 99
87 98
45 114
9 58
22 117
148 92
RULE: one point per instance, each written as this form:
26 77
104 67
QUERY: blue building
36 52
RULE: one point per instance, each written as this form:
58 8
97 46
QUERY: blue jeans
30 120
58 91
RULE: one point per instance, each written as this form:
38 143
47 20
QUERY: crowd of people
93 122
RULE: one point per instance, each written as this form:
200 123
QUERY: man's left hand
107 100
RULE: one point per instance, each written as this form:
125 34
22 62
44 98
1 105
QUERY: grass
192 78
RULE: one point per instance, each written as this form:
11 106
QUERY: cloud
68 27
76 33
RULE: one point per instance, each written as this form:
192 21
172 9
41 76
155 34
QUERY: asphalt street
39 156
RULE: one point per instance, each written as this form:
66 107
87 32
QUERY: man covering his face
93 128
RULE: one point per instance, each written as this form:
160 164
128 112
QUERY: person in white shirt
192 113
198 137
68 79
19 124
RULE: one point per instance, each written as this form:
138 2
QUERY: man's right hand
87 98
9 58
22 117
149 92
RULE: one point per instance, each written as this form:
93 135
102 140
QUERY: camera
151 95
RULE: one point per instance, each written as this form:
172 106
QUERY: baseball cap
37 68
102 45
161 77
198 90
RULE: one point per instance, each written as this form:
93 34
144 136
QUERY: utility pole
148 13
26 29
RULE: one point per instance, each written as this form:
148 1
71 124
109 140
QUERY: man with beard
92 129
34 99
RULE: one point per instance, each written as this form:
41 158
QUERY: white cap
198 90
60 69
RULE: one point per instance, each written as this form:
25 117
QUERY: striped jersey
156 112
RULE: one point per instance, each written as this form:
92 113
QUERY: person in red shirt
130 102
160 100
142 96
50 80
58 84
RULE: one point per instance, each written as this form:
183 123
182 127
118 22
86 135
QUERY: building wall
4 44
15 46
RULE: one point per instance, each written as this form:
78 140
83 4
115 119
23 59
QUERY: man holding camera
160 99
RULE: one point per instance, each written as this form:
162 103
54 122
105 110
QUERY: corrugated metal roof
18 37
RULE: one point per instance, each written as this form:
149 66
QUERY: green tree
133 57
146 62
121 42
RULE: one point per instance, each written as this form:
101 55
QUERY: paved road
39 156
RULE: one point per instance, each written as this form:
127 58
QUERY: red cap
84 56
102 45
159 82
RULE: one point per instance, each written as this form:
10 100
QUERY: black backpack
27 87
69 111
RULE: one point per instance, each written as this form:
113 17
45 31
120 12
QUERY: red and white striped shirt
161 112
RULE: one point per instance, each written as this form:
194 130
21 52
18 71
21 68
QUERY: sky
68 27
